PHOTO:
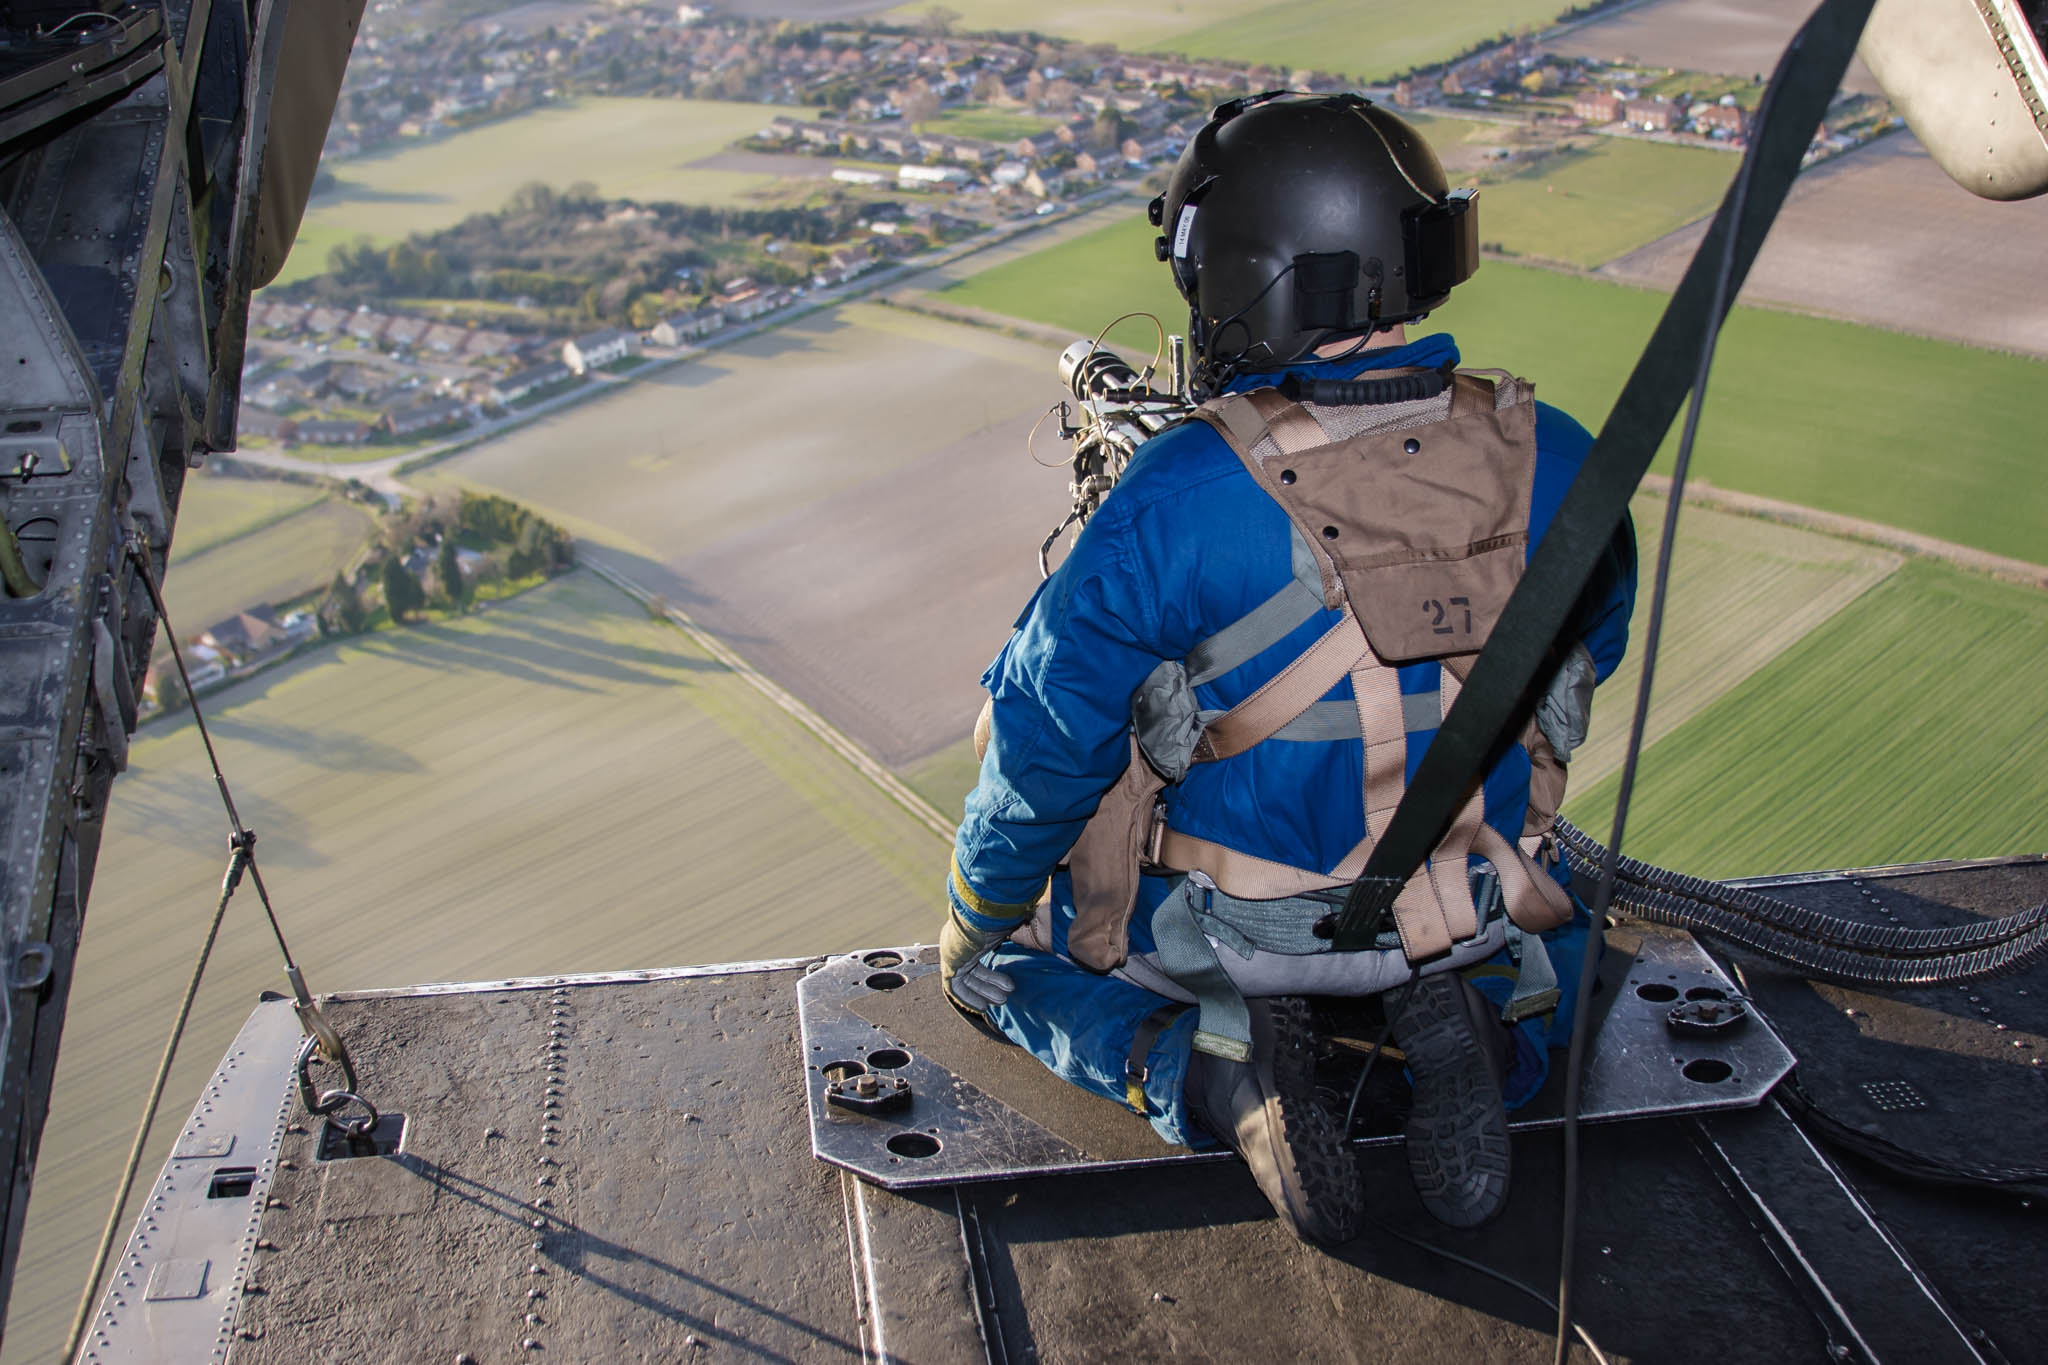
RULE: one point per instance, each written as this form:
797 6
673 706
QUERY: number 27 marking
1442 617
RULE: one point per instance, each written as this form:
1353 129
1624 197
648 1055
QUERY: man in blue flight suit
1305 233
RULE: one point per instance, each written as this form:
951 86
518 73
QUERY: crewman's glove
971 983
1567 708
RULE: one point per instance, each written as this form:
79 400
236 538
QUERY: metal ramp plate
978 1109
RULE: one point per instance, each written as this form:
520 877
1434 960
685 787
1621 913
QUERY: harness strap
1287 693
1291 426
1185 954
1137 1067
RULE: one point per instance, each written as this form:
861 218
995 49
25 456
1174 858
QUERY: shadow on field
173 804
520 649
326 747
554 637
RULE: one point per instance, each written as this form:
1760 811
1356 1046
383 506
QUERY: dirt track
1882 236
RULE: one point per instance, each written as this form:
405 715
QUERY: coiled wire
1816 943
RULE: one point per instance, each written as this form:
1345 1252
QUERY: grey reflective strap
1321 723
1536 983
1265 625
1137 1068
1421 711
1326 721
1224 1028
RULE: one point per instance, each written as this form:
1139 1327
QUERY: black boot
1267 1109
1458 1128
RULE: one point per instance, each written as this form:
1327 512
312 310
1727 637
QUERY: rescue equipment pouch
1411 519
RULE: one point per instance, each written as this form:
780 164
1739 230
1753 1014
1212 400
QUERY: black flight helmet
1292 220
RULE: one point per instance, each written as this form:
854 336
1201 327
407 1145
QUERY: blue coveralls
1185 545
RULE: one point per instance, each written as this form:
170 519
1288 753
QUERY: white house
588 352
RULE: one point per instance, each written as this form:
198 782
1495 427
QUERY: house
485 342
678 328
368 326
405 331
333 431
253 633
925 177
1598 106
855 175
589 351
428 416
1727 120
326 321
1652 116
445 337
264 425
1418 90
532 379
742 301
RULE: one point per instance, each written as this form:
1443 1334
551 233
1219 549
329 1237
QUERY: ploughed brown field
1882 236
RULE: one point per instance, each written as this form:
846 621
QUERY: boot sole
1324 1166
1457 1131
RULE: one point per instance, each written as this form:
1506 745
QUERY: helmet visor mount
1441 243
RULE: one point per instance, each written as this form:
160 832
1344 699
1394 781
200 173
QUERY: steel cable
242 858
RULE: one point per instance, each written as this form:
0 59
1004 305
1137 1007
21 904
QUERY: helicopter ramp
622 1168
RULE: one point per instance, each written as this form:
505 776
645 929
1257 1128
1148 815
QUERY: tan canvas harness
1412 520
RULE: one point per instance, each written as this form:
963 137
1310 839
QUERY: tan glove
970 983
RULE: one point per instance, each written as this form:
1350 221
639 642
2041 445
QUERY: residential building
1653 116
530 380
445 338
1728 120
1599 106
430 415
681 327
333 431
593 349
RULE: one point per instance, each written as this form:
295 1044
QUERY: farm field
1904 431
284 559
1369 40
1743 591
1580 207
628 148
1822 256
1834 755
217 509
1737 37
844 499
556 785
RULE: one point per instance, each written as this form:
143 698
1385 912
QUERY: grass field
1909 726
1588 207
557 785
1904 431
629 148
1363 38
1742 592
284 559
996 125
216 510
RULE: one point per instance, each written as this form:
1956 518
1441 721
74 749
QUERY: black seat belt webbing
1598 499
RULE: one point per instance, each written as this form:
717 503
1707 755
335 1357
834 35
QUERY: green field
1909 726
1904 431
1585 208
1363 38
995 125
215 510
558 784
281 561
1743 591
629 148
